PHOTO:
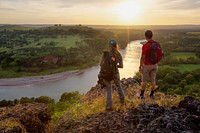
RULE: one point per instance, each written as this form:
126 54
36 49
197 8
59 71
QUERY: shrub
44 99
67 100
70 96
194 90
189 78
26 100
5 103
196 74
162 71
170 91
165 87
183 83
177 91
169 79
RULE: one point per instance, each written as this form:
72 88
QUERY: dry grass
97 104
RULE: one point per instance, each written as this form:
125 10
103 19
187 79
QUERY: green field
62 41
183 55
187 67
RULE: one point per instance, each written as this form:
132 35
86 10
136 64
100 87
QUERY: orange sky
112 12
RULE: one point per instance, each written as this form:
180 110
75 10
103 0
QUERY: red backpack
156 53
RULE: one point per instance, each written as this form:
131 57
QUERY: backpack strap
150 43
114 61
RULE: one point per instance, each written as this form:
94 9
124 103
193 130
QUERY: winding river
81 82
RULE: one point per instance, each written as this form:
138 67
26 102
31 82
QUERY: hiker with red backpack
151 55
110 62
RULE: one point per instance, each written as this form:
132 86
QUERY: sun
128 11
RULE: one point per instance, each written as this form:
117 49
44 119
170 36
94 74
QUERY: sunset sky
105 12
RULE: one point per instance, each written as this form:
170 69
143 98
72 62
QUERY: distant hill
186 26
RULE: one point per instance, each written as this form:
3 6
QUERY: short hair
149 34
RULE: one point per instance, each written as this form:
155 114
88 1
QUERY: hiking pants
108 85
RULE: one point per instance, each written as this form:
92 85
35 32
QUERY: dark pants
109 90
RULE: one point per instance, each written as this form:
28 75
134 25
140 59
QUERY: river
81 82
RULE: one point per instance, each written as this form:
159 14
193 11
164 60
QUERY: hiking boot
151 94
121 101
109 109
142 95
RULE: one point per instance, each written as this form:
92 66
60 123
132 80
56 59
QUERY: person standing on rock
110 62
151 55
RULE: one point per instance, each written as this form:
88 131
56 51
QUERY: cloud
60 3
96 11
85 3
181 4
7 9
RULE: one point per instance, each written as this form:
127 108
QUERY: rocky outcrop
99 91
191 104
146 118
25 118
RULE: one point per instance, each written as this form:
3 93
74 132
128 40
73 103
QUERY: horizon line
102 24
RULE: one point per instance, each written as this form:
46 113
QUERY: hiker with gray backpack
110 62
151 55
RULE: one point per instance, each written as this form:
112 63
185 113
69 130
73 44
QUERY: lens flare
129 10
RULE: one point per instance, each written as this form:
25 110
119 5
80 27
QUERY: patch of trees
169 60
66 96
178 41
28 56
188 41
171 81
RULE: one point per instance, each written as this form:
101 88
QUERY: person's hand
113 58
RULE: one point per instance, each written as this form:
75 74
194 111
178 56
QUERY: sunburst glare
129 10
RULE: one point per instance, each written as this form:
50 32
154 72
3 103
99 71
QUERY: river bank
54 85
38 79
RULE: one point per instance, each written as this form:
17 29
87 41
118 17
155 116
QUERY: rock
191 104
31 118
16 129
146 118
194 121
